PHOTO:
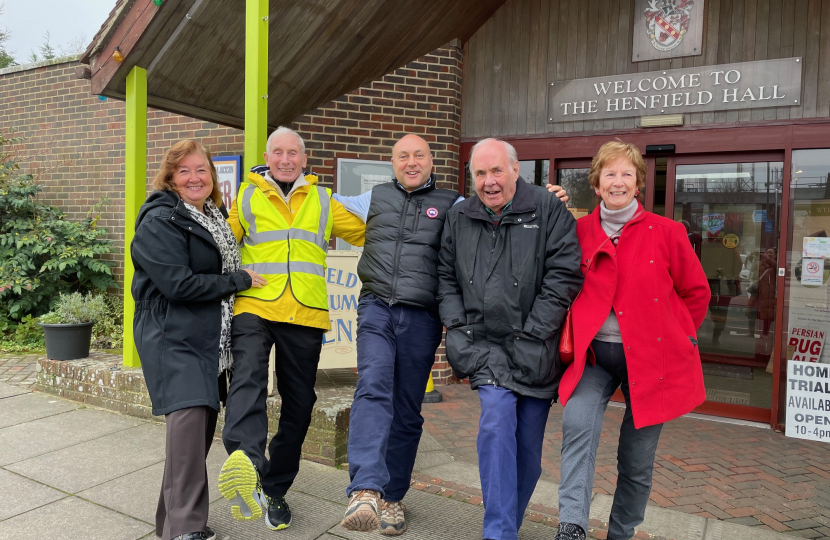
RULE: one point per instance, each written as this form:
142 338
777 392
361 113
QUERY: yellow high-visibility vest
283 253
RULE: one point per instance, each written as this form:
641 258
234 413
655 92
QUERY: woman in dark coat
635 328
187 272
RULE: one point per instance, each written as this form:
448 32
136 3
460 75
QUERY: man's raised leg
246 416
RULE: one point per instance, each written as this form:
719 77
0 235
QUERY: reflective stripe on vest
282 268
281 252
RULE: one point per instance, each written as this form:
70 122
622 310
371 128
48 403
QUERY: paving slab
137 493
460 472
9 390
73 519
31 439
27 407
429 444
20 495
546 494
430 453
658 521
732 459
721 530
431 517
311 518
426 460
94 462
323 482
216 458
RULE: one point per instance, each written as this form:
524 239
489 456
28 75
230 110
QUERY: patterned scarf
214 222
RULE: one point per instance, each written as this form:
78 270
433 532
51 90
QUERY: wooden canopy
194 50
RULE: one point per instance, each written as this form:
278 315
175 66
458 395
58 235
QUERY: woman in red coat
635 328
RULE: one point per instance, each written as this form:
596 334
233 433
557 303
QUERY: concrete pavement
710 468
73 472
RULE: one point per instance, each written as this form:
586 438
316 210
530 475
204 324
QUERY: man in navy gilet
398 331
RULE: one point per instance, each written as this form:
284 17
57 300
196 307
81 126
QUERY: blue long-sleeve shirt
359 204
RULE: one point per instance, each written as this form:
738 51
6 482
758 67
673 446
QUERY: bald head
412 162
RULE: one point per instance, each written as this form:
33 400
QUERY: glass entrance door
731 214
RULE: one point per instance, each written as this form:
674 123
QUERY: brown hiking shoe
362 512
392 521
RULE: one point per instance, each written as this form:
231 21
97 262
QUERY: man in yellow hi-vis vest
284 222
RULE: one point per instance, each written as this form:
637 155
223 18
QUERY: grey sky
65 20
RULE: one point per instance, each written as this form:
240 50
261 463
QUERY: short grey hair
512 156
282 130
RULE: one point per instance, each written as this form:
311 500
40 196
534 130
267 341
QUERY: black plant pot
67 341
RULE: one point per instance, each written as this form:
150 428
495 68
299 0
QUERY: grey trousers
581 428
184 499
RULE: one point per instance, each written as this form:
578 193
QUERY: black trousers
184 499
246 418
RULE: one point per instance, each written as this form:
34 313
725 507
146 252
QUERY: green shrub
76 308
27 336
108 332
42 254
28 333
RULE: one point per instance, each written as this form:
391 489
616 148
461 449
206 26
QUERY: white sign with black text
808 401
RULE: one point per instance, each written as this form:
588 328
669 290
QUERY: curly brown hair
163 180
609 153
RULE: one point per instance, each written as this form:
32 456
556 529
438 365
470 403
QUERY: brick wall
423 97
74 142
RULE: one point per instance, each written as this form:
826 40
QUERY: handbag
566 337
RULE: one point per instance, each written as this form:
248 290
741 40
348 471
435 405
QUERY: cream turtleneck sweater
612 223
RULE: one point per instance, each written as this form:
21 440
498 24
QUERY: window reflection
730 212
583 200
535 171
807 303
470 187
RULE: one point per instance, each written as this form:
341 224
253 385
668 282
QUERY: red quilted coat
655 284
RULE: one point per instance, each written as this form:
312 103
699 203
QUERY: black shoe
569 531
209 534
191 536
278 516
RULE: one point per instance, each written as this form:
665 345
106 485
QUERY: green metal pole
135 189
256 81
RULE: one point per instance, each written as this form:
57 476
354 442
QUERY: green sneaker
239 483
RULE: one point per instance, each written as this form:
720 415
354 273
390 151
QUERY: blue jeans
581 428
511 430
395 352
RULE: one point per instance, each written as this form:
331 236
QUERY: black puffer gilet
403 236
